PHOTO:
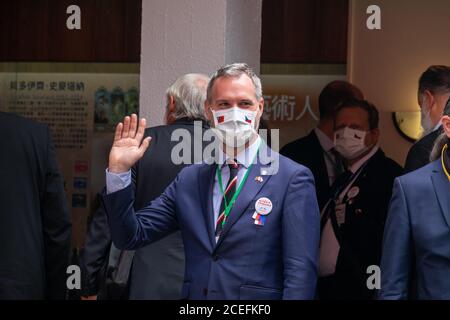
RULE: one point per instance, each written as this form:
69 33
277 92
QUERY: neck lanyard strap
443 162
228 206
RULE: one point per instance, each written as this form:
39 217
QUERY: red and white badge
353 192
263 206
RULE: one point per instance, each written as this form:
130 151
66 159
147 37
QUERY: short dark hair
334 94
442 139
371 110
235 70
435 79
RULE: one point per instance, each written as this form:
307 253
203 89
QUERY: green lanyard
233 199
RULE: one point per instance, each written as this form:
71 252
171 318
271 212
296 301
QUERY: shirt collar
355 167
246 156
438 125
326 143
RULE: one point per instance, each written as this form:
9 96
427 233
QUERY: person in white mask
433 93
316 150
353 219
235 126
248 233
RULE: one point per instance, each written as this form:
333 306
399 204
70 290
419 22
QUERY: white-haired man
157 270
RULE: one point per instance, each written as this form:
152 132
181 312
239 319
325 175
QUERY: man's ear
446 125
208 112
429 98
375 136
171 104
170 109
261 105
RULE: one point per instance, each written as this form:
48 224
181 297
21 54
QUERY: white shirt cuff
117 181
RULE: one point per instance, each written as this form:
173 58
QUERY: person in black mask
416 245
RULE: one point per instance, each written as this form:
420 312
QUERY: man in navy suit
417 231
249 221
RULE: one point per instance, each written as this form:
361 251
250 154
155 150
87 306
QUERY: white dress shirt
330 160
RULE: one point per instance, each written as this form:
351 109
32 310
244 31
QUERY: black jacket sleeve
95 252
56 227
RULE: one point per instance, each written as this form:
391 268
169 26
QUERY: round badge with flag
263 206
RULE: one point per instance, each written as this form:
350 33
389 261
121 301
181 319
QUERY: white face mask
350 142
425 119
234 126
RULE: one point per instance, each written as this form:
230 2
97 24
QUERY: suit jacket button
205 291
215 257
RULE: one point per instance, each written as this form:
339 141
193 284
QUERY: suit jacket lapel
315 144
320 170
205 186
442 189
249 191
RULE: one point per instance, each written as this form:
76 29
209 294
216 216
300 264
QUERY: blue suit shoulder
288 168
420 177
191 169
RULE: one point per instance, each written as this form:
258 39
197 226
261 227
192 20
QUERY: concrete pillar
180 37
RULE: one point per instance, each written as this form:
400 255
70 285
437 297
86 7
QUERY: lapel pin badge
353 192
259 179
263 206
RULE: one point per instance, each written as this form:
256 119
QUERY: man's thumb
144 145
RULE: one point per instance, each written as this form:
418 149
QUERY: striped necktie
228 194
339 167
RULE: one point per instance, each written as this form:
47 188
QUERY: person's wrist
117 169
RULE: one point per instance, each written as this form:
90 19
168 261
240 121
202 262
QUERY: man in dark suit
35 229
249 220
316 150
416 240
157 269
353 219
434 91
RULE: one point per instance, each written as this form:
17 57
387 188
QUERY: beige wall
387 63
198 36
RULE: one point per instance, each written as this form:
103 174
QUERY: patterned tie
340 183
339 167
228 194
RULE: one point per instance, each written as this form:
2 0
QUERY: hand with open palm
128 146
